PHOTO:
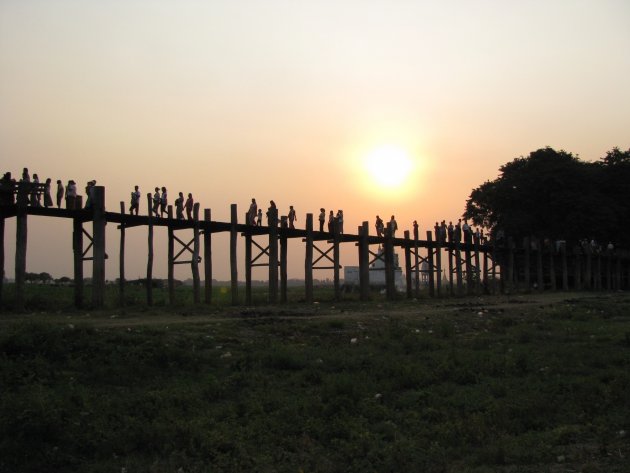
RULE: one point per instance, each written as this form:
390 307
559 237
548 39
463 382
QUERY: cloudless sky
283 100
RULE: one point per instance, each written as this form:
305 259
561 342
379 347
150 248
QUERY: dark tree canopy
554 194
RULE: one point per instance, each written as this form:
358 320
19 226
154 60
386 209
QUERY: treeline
554 194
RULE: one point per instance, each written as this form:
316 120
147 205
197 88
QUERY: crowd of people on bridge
458 233
30 191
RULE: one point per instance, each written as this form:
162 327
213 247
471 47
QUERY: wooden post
438 264
502 271
149 281
539 265
121 257
588 276
283 259
618 285
273 255
552 266
195 256
510 268
486 285
171 256
308 260
565 269
609 270
408 264
233 267
77 250
364 261
527 246
451 288
458 268
336 240
207 256
469 271
248 263
598 272
431 267
577 268
1 257
98 247
477 268
416 236
21 233
390 275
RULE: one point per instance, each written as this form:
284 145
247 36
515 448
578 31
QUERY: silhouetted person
35 195
252 213
260 217
135 201
443 232
339 218
189 206
179 206
88 194
380 226
415 228
458 231
466 231
48 202
272 209
163 202
393 226
322 219
292 216
60 193
7 184
331 221
25 175
71 194
450 230
156 202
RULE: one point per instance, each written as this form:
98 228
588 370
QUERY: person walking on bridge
253 212
291 216
135 201
179 206
60 193
190 203
380 226
393 226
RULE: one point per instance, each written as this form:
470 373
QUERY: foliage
554 194
462 390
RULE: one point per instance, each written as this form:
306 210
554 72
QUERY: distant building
377 273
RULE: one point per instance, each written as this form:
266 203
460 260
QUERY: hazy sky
283 100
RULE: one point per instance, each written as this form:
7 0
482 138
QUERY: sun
388 166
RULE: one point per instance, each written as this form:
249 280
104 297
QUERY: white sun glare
388 166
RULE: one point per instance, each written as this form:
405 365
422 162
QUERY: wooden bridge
472 267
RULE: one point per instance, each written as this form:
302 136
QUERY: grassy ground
494 384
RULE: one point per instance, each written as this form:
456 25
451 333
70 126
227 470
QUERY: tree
553 194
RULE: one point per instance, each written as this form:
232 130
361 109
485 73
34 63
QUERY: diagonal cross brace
85 252
323 254
263 251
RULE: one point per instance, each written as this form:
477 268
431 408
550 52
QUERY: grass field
495 384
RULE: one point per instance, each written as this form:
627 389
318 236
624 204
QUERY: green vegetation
469 385
553 194
49 297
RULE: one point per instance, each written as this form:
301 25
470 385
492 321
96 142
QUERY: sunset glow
388 166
